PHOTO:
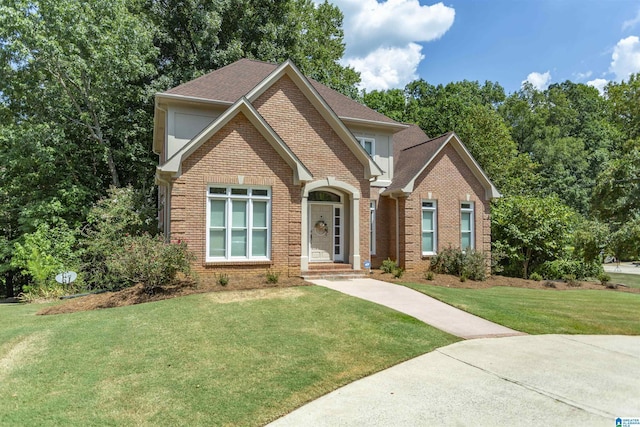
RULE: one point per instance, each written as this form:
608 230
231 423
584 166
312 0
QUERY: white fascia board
174 164
395 127
371 168
191 99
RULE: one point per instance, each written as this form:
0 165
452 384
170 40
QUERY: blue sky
392 42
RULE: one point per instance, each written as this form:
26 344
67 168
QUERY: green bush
43 254
560 268
388 266
272 276
429 275
535 276
398 272
150 261
604 278
110 221
223 279
471 263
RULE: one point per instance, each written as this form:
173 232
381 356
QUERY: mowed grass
236 358
539 311
631 280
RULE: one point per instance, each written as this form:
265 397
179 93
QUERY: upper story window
238 223
466 225
369 145
429 227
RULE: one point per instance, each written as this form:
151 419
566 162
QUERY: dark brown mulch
454 282
137 295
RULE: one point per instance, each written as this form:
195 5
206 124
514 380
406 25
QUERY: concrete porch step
331 271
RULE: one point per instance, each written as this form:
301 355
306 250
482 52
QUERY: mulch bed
137 295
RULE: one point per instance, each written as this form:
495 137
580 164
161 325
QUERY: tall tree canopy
77 80
469 109
197 36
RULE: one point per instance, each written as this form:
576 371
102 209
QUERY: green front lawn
539 311
235 358
631 280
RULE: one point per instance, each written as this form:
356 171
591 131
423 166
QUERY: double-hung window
238 223
429 227
369 145
466 226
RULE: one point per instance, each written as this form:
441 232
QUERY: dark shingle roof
411 155
230 83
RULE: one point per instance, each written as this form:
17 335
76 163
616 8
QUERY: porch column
355 230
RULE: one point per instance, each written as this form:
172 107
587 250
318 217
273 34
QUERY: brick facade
448 181
239 154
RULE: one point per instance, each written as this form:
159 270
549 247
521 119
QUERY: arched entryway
326 226
330 223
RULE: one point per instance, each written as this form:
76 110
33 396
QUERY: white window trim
470 210
372 224
249 197
433 209
362 140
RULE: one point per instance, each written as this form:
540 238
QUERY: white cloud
626 58
598 84
382 37
539 80
582 76
387 68
631 22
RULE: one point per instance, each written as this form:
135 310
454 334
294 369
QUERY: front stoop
330 270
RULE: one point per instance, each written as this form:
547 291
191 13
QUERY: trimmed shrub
604 278
535 276
223 279
398 272
388 266
471 264
429 275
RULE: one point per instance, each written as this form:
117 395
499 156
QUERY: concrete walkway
550 380
422 307
544 380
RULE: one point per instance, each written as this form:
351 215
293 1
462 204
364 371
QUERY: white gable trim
491 191
173 166
372 170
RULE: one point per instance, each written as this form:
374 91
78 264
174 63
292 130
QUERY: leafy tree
469 109
46 252
78 65
529 231
568 134
197 36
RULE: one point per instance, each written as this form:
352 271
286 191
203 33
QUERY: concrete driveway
545 380
624 267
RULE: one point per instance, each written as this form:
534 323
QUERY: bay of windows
238 223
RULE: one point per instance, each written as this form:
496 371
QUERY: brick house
260 167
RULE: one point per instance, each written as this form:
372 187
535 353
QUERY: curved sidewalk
422 307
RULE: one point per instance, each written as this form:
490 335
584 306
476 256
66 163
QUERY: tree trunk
9 284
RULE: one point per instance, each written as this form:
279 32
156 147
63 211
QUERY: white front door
321 232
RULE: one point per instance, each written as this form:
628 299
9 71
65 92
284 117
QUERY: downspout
397 228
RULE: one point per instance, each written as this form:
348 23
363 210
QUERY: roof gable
290 70
412 160
228 84
173 166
